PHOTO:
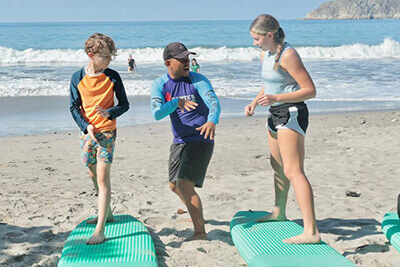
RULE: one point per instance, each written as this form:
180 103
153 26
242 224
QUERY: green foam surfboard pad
260 244
128 243
391 228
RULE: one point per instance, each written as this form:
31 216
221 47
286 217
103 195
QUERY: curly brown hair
97 41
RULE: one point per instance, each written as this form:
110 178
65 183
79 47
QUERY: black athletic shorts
189 161
288 116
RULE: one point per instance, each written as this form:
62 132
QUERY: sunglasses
183 60
106 56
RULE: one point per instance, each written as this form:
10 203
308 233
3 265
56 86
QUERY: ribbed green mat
260 244
391 228
128 244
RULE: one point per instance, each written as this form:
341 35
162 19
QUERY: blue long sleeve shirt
165 94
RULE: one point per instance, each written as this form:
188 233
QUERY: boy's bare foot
304 239
96 239
197 236
271 218
94 220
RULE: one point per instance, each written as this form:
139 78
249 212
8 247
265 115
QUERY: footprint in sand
15 237
154 222
145 211
212 177
48 235
221 197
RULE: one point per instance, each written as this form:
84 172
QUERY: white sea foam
36 87
231 71
238 89
389 48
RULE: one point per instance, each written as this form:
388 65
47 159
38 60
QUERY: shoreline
233 117
29 116
46 191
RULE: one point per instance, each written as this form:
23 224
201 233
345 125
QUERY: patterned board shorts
102 151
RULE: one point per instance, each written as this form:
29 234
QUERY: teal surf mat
391 228
260 244
128 243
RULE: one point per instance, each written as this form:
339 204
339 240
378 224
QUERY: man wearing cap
189 100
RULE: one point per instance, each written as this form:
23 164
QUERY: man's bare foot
96 239
197 236
94 220
304 239
271 218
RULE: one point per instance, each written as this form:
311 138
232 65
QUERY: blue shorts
292 116
102 151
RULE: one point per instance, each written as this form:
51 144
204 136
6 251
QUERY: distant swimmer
195 67
132 64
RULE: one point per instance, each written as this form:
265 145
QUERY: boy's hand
208 129
90 130
104 113
186 104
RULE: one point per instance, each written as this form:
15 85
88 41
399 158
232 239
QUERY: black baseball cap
176 50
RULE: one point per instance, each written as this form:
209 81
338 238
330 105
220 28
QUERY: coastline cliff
356 9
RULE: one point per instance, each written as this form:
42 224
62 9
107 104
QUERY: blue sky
150 10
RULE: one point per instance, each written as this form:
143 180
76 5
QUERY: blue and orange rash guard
165 94
87 91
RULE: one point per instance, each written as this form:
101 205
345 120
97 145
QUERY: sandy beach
45 191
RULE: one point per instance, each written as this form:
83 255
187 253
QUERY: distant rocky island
356 9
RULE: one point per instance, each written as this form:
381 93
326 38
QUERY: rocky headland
356 9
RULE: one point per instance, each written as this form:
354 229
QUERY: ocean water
354 65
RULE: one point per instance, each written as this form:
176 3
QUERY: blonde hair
97 41
264 24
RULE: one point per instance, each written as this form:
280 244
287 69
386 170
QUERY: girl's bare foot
304 239
272 217
110 218
97 238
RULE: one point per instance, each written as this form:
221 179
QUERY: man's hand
186 105
90 130
266 100
104 113
208 129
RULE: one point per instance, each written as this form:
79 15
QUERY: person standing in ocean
190 101
287 85
131 64
195 67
